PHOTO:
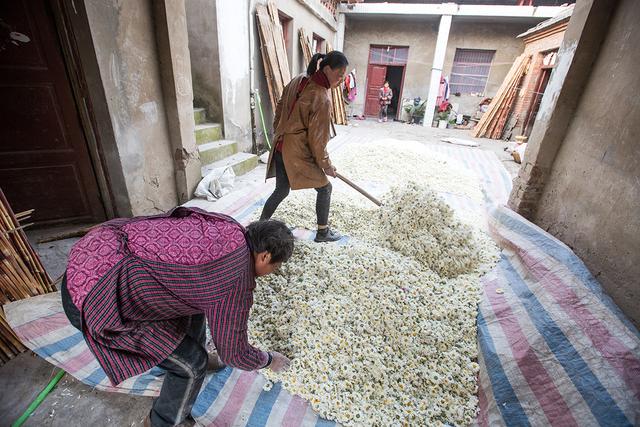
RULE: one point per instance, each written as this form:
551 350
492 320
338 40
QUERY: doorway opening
543 77
394 76
386 63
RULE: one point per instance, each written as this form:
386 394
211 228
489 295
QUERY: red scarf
320 78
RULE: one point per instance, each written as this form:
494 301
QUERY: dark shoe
188 422
327 235
214 364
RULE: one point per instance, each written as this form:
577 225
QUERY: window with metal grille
470 70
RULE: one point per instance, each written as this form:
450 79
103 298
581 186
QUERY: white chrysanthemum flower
381 330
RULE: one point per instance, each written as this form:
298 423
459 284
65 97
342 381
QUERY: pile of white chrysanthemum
381 330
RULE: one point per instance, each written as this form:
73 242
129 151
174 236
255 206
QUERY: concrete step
200 115
217 150
208 132
240 162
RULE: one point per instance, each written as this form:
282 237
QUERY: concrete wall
419 36
501 37
591 200
125 47
304 14
205 63
235 78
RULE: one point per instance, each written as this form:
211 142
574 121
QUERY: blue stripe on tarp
602 405
64 344
209 393
264 405
96 377
325 423
250 209
503 393
142 382
564 255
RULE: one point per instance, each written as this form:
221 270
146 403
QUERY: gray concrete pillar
436 68
340 33
175 70
586 30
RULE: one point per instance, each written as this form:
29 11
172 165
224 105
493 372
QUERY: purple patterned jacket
136 282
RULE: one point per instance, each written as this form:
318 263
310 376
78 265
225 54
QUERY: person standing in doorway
302 120
385 95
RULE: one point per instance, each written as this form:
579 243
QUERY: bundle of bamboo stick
21 273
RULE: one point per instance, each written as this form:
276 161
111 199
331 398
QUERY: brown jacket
306 134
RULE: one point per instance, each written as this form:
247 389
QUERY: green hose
43 394
264 126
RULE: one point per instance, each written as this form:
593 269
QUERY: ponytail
314 64
333 59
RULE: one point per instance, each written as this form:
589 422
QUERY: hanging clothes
350 86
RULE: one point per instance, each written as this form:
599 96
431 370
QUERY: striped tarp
555 349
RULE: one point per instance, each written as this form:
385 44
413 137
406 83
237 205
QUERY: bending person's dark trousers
186 368
323 199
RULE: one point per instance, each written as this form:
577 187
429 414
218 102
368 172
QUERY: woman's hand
279 362
331 171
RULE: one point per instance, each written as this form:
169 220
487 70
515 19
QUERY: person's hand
279 362
331 171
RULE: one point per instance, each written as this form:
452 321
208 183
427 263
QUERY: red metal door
44 159
375 79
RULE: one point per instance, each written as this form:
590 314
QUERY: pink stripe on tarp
42 326
295 412
246 201
483 405
539 380
233 405
78 362
614 351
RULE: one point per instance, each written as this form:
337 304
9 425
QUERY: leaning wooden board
274 54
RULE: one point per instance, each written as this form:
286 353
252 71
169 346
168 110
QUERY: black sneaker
327 235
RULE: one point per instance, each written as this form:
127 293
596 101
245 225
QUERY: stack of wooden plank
274 51
492 123
307 53
339 112
21 273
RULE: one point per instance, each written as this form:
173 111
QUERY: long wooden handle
358 189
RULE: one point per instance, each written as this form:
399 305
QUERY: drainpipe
252 84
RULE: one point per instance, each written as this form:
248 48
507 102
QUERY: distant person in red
384 97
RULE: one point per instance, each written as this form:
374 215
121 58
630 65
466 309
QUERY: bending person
140 290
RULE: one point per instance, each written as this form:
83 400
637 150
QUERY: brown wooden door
44 159
375 80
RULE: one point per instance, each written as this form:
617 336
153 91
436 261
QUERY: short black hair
272 236
334 59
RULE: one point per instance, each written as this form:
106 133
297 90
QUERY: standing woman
302 121
385 94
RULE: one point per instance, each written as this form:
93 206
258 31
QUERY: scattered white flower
381 330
